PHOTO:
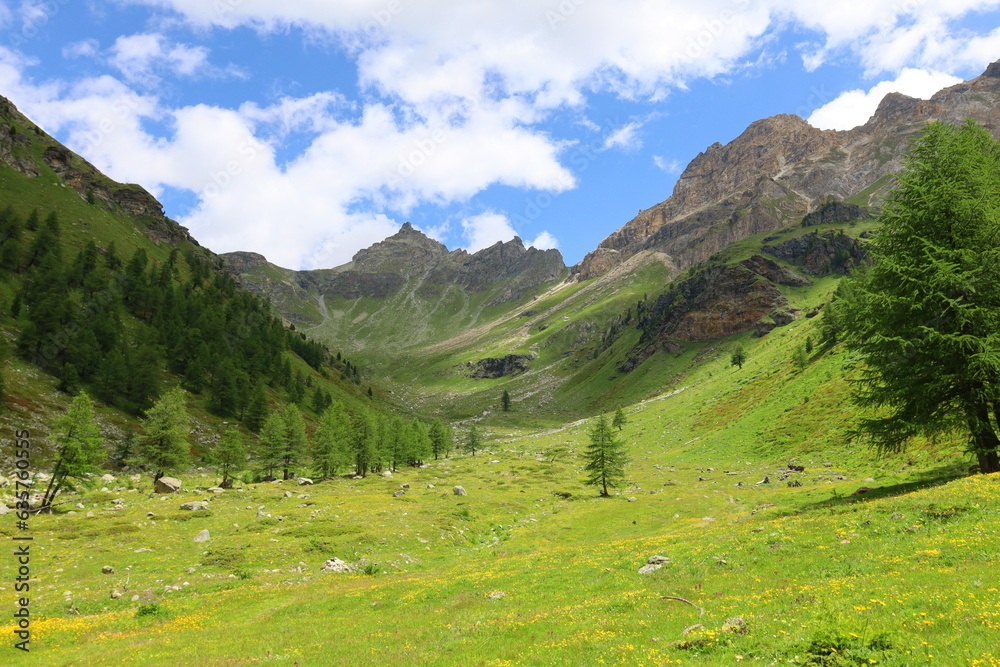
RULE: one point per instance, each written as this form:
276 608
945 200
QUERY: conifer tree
619 419
440 437
606 457
505 401
472 440
229 456
164 446
331 442
362 442
926 316
78 446
296 442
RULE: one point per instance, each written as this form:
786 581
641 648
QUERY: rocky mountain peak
780 169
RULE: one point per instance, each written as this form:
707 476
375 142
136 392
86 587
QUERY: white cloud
855 107
545 241
668 165
86 48
139 57
626 138
483 230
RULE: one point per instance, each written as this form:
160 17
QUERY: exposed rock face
492 368
835 212
781 169
16 138
821 255
408 257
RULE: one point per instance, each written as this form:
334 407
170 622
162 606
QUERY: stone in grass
653 563
398 492
337 565
202 536
167 485
496 595
459 491
107 569
736 625
108 479
303 481
195 505
115 594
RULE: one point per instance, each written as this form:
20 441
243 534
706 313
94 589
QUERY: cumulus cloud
855 107
626 137
138 57
545 241
483 230
668 165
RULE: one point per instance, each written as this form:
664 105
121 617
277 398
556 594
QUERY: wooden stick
674 597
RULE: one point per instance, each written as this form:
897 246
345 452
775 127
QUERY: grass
532 568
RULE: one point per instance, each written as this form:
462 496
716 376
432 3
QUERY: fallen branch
674 597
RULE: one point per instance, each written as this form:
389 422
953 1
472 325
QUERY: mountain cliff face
407 260
781 169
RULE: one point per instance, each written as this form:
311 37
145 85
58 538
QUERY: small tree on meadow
619 419
473 441
606 457
164 446
78 446
505 401
229 456
440 436
738 357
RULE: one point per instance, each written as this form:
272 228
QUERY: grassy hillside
532 568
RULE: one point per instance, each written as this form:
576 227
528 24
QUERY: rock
459 491
166 485
337 565
632 499
496 595
81 506
897 516
216 490
107 569
88 515
115 594
4 482
202 536
430 486
136 478
649 569
661 560
289 494
108 478
195 505
398 492
736 625
387 473
303 481
862 490
404 486
795 483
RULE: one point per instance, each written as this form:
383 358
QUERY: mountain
102 292
407 270
780 169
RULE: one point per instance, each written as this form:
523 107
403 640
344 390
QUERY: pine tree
272 443
472 440
229 456
78 446
164 446
738 357
362 442
505 401
606 457
619 419
926 316
256 412
440 436
296 442
419 444
331 443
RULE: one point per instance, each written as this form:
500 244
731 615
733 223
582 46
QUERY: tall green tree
296 441
619 419
78 448
738 357
271 445
441 437
473 441
925 317
505 401
229 456
606 457
330 447
363 435
164 446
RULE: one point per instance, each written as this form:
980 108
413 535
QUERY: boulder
167 485
108 478
202 536
398 492
195 505
216 490
107 569
459 491
4 509
304 481
337 565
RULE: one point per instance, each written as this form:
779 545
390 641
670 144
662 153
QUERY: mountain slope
780 169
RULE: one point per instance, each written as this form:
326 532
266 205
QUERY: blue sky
308 129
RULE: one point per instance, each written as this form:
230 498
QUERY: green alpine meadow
758 424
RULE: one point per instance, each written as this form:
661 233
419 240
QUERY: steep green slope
100 291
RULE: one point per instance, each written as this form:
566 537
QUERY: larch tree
925 317
78 449
164 445
606 457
